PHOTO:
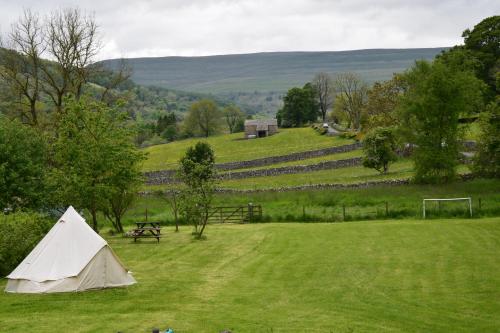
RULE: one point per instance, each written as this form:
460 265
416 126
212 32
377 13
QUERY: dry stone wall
168 176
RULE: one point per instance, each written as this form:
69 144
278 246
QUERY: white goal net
469 200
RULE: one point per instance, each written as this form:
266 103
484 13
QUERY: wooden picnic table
148 229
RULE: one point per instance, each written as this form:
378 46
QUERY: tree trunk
203 226
94 220
119 226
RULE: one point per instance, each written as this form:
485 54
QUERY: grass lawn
231 147
383 276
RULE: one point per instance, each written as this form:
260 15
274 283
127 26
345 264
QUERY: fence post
343 212
250 211
146 215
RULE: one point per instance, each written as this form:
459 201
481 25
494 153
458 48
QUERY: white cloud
134 28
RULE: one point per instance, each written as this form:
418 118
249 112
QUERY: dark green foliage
380 149
166 126
437 95
484 42
19 233
300 107
23 161
198 164
165 121
487 158
197 172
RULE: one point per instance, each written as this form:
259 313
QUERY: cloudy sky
133 28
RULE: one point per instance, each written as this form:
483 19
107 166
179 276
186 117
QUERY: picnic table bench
147 230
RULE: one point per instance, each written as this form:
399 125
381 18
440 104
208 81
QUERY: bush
19 233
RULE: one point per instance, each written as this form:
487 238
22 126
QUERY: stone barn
259 128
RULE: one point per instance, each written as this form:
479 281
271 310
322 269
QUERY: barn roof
261 123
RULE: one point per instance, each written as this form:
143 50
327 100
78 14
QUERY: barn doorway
261 134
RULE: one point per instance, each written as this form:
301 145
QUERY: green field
363 203
384 276
232 147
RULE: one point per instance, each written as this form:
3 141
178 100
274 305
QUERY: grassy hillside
386 276
268 71
233 147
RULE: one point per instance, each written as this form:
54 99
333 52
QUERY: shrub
19 233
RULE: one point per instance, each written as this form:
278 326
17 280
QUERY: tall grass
360 204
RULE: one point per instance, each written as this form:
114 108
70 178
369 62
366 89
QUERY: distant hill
265 72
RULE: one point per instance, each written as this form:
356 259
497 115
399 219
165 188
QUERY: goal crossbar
448 199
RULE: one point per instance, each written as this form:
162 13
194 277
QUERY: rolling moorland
274 71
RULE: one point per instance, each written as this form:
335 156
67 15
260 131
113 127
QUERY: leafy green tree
203 118
300 107
23 162
436 96
96 162
197 172
484 42
165 121
235 118
479 54
380 149
487 158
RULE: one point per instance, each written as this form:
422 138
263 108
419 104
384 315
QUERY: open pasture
232 147
379 276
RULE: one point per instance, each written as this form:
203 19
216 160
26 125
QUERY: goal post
469 200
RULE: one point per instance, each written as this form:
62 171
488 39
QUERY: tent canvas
71 257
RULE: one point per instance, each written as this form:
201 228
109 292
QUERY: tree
73 42
484 42
69 40
380 149
436 97
203 118
97 167
234 118
300 106
487 158
166 126
197 172
323 86
22 63
23 162
353 91
381 104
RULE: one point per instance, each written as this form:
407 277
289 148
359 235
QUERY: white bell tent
71 257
